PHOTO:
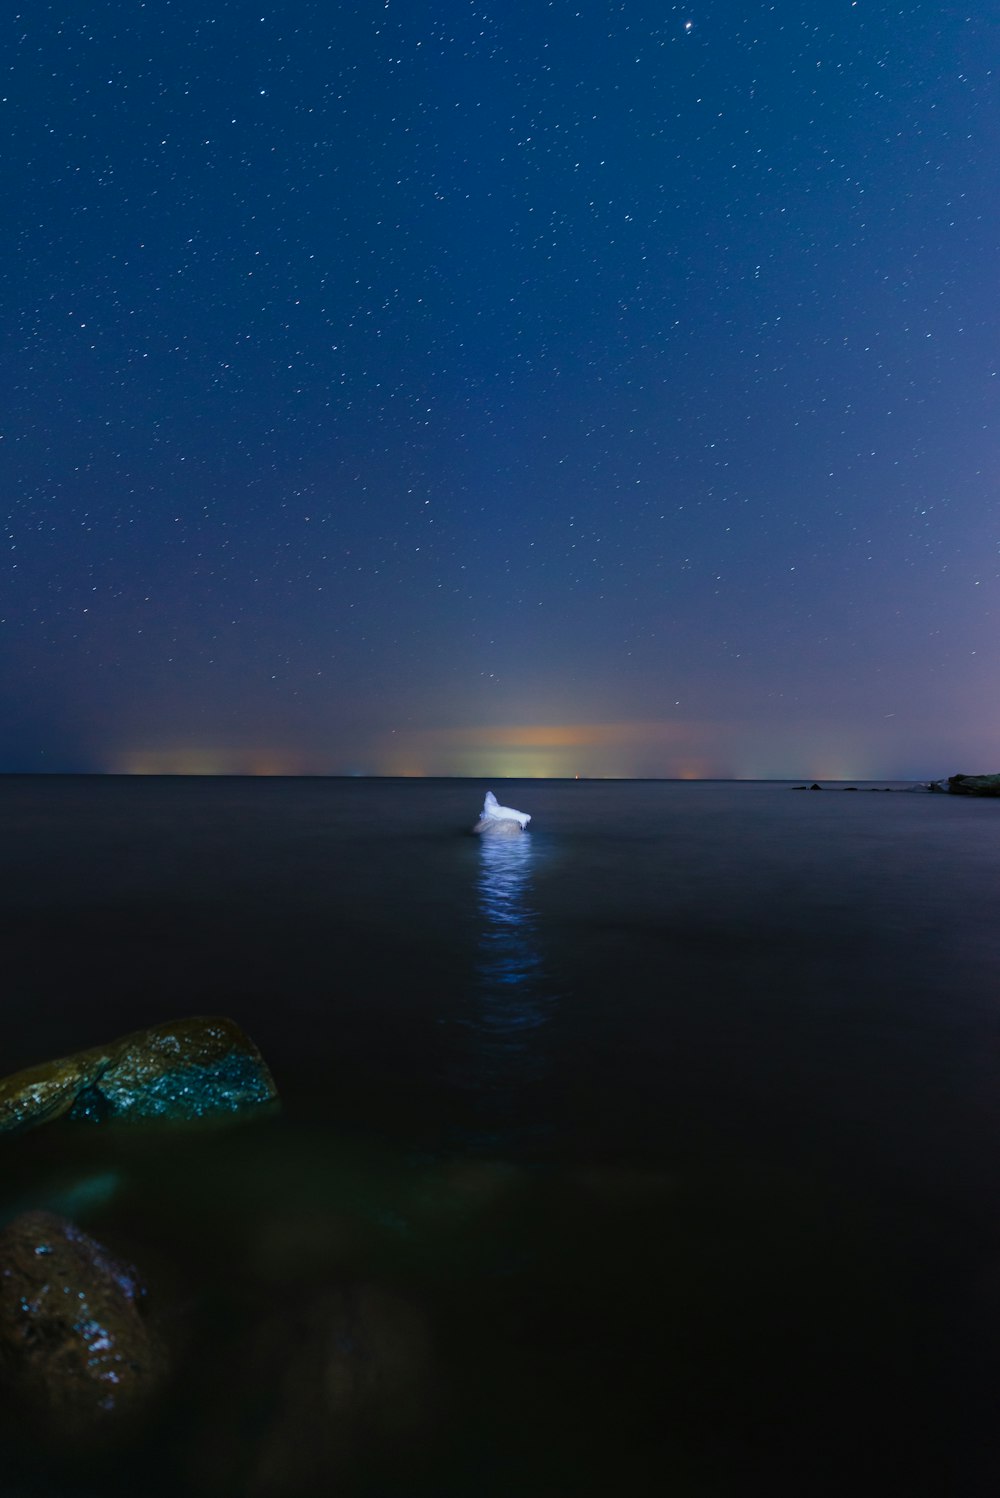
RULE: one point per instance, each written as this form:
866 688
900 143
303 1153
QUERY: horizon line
375 775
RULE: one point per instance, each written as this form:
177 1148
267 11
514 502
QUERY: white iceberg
497 818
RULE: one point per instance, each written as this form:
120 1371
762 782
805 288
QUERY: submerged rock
974 785
184 1070
342 1377
75 1349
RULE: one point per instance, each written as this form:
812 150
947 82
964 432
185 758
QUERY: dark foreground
657 1155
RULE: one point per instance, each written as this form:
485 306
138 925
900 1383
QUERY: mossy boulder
974 785
76 1352
184 1071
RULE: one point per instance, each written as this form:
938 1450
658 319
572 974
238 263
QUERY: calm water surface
674 1123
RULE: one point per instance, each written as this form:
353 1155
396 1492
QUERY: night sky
549 388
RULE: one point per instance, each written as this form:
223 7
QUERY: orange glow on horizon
188 760
551 735
687 749
553 750
676 749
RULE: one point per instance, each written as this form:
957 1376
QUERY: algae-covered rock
974 785
45 1092
184 1070
76 1352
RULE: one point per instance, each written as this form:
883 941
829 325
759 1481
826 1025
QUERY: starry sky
429 387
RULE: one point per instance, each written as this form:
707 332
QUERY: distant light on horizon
692 749
206 761
627 750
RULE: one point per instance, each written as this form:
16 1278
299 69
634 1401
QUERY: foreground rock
974 785
185 1070
76 1353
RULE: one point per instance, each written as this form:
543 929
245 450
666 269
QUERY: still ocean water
674 1123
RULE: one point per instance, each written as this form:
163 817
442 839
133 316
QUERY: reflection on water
511 1000
509 970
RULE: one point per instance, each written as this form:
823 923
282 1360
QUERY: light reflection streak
512 1001
509 966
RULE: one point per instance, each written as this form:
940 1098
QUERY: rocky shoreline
974 785
955 785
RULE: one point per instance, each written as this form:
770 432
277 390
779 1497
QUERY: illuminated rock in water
504 820
184 1070
75 1349
497 827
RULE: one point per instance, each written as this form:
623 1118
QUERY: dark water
659 1146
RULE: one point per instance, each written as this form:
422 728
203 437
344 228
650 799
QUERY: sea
654 1150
